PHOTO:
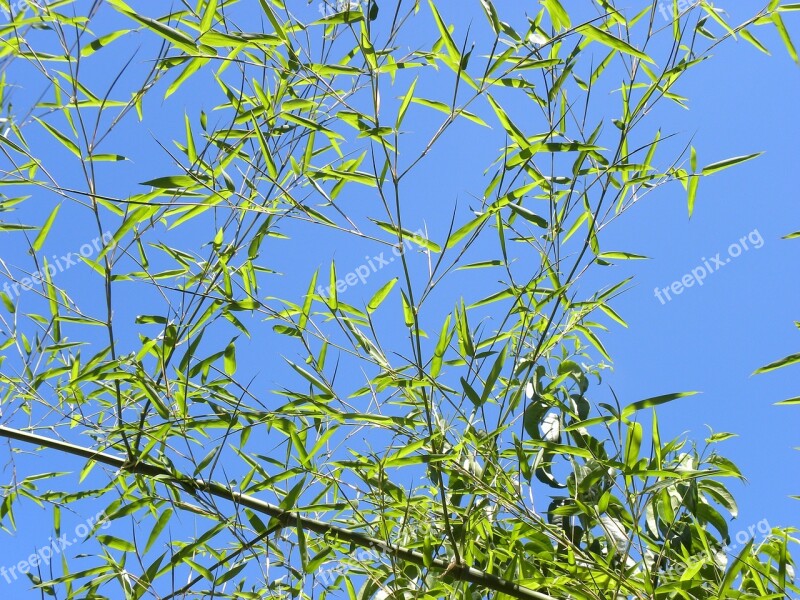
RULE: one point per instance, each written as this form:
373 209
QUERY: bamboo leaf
694 181
452 49
230 358
64 140
39 241
408 311
171 182
208 15
603 37
784 33
441 347
655 401
465 230
621 256
728 162
792 359
379 296
418 239
309 298
558 15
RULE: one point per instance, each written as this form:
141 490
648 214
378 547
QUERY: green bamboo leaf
172 182
452 49
633 442
512 130
612 314
778 364
304 314
691 189
529 215
39 241
8 142
497 367
333 300
603 37
297 104
746 35
509 292
230 358
788 402
717 489
409 235
784 33
331 70
441 347
290 500
408 311
135 217
470 392
481 265
447 109
491 15
621 256
465 341
15 227
65 141
345 17
301 543
52 300
190 69
106 158
116 543
229 574
279 28
558 15
460 233
10 308
102 42
208 15
655 401
594 340
735 566
379 296
728 162
312 126
311 378
179 39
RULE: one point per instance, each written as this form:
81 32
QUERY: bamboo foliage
261 421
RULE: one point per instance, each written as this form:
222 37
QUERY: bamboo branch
285 518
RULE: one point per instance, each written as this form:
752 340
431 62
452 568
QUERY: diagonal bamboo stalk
285 518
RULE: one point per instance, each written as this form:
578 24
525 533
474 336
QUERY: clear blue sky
710 338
